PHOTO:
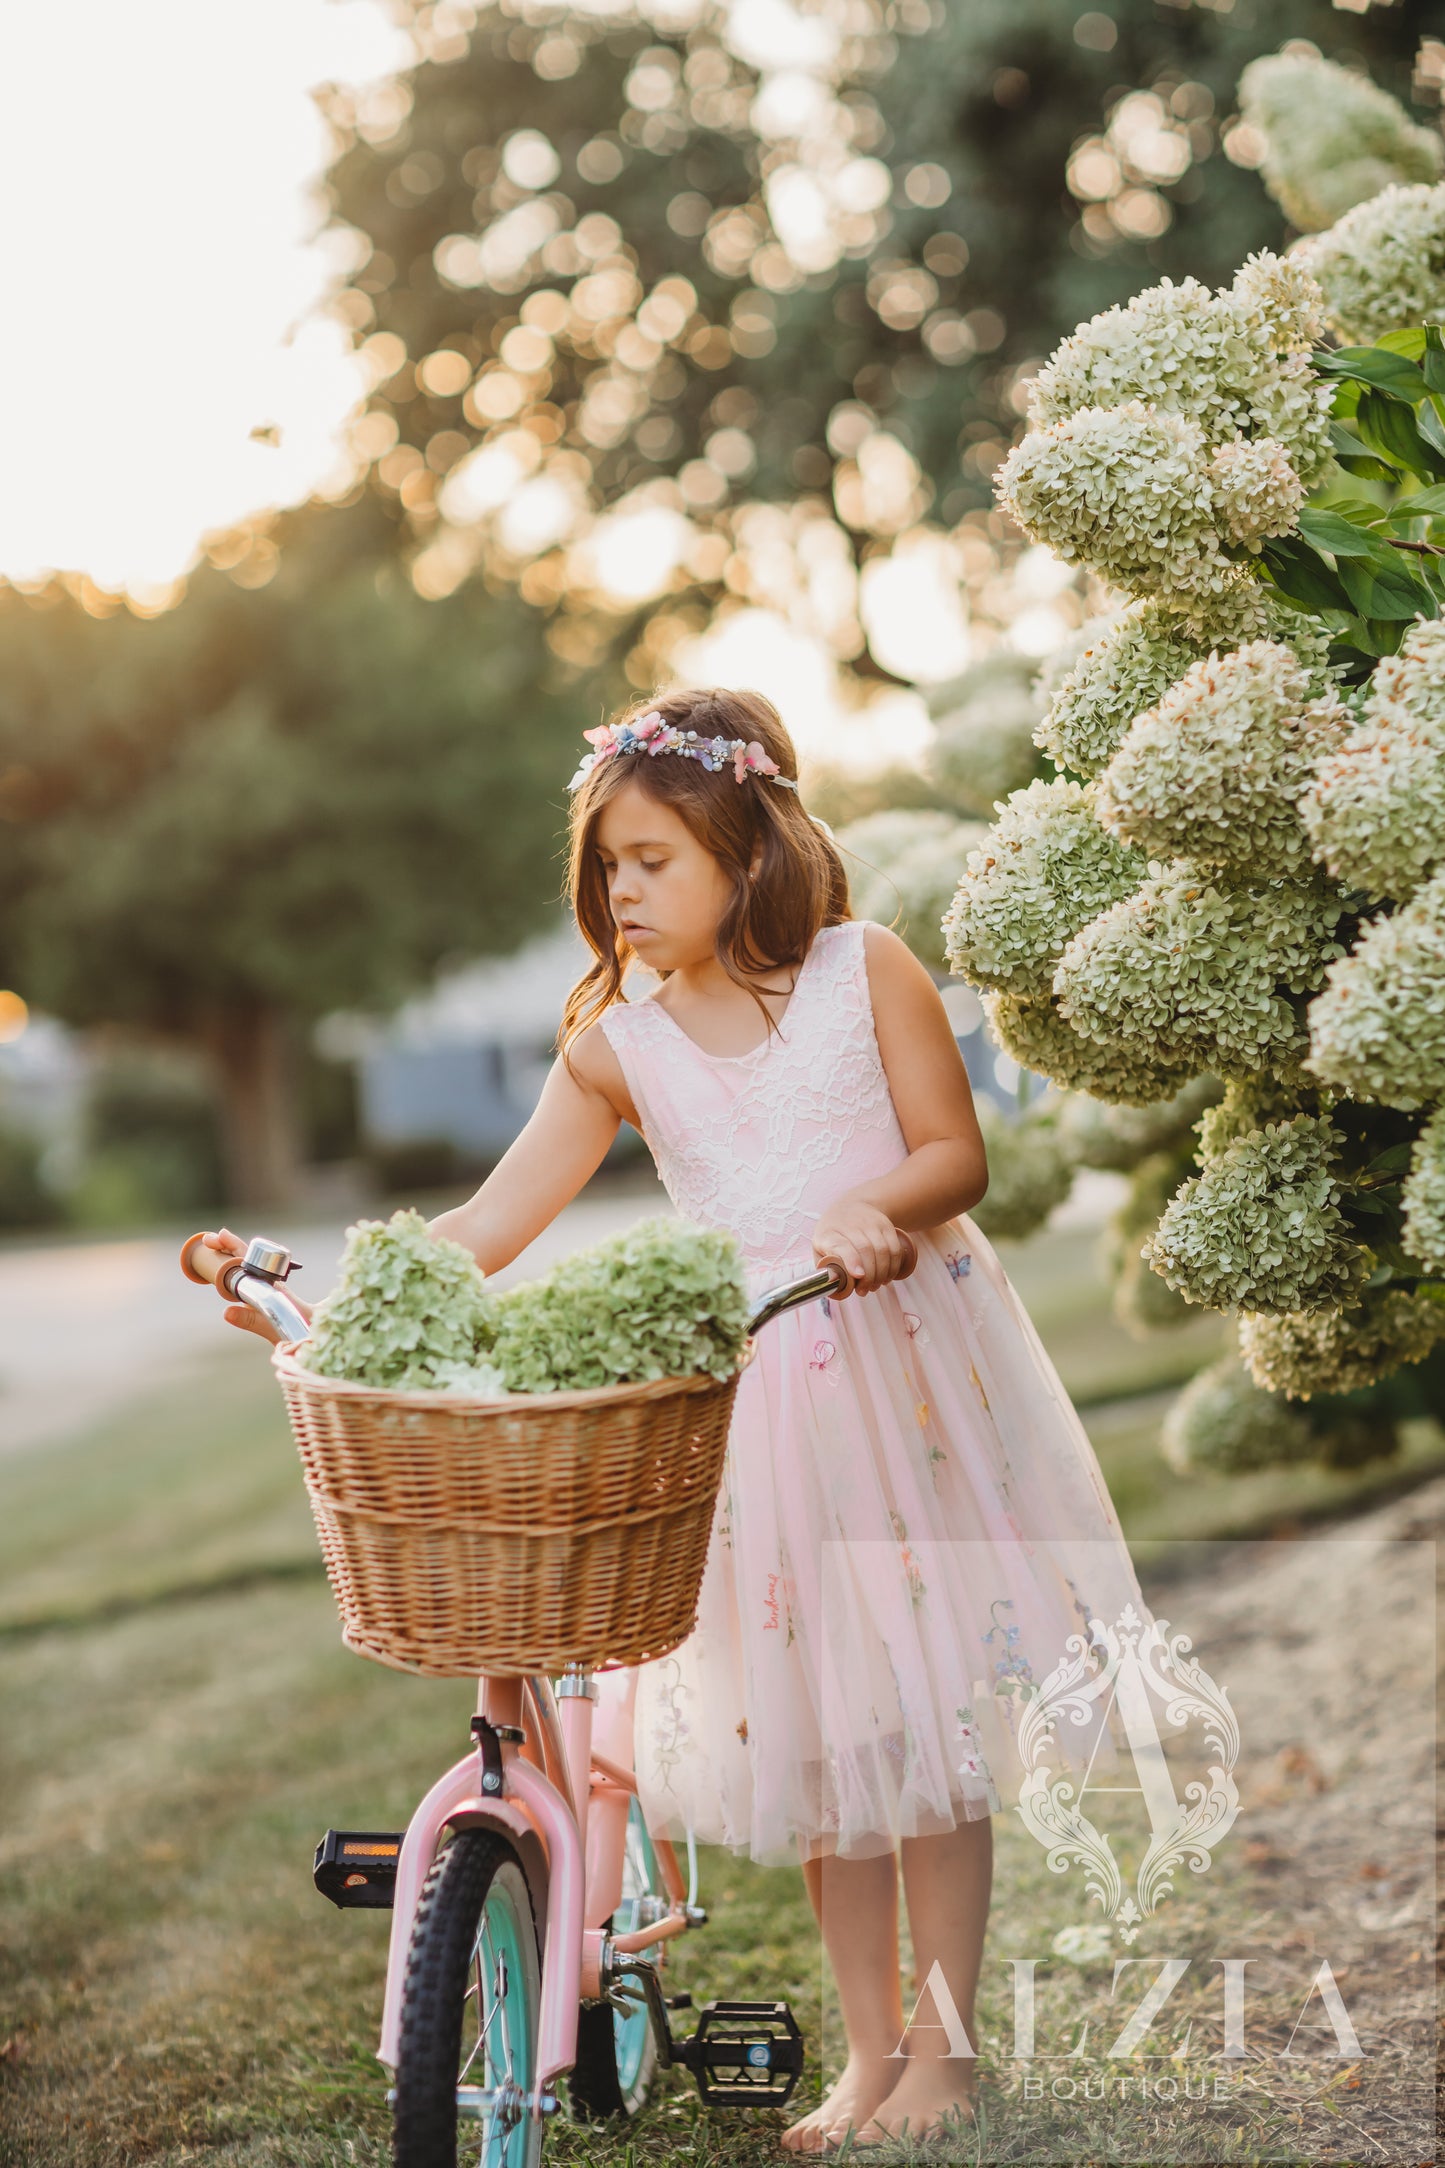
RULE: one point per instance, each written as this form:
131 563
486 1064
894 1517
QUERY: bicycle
527 1885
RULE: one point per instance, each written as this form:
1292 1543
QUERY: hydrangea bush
412 1311
1235 873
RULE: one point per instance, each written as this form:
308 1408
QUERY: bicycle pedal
744 2054
357 1868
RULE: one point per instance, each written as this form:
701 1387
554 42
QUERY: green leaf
1360 511
1393 1161
1384 587
1434 363
1353 457
1329 530
1299 572
1430 426
1387 373
1425 503
1390 428
1410 341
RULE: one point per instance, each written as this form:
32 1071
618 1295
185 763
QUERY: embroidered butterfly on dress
959 1263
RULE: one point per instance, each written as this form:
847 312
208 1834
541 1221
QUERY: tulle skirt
912 1537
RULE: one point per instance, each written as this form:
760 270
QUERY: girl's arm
576 1118
946 1171
562 1146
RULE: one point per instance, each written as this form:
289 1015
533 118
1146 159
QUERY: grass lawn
181 1723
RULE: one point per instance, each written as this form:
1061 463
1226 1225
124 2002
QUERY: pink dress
913 1520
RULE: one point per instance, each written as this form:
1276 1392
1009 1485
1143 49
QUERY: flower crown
652 734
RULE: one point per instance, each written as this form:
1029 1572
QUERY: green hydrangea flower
1043 870
662 1299
1236 362
1030 1170
1224 1424
1381 265
1423 1196
1334 138
1377 1031
1249 1103
407 1310
1037 1037
1260 1227
1375 812
1214 771
1130 661
1341 1350
1199 972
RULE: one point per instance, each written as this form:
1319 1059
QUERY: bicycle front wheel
470 2011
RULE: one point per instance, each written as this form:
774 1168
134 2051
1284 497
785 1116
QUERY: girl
913 1521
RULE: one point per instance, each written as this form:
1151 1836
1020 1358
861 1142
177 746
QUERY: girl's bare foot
861 2090
928 2091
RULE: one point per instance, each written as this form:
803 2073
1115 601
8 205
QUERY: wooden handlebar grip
201 1263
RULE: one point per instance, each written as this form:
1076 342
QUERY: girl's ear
756 861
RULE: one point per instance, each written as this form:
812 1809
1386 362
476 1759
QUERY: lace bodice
763 1142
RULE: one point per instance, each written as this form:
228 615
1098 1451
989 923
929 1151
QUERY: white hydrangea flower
1256 491
1281 300
903 866
1037 1037
1043 870
1383 264
1341 1350
1334 138
1375 812
1236 362
1201 971
1214 771
1131 660
1423 1196
1260 1226
1126 490
1377 1031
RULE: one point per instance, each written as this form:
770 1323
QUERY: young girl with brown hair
913 1521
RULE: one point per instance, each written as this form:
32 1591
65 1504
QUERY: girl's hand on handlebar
238 1313
867 1242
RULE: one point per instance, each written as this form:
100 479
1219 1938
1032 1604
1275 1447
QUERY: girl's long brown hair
800 885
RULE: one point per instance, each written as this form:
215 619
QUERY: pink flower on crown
647 726
753 758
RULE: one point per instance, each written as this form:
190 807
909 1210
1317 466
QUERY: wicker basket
525 1534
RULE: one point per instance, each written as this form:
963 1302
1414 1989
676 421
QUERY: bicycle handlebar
257 1279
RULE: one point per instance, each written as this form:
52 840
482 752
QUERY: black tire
475 1872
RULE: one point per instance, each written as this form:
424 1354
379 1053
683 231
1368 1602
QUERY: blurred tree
262 806
634 262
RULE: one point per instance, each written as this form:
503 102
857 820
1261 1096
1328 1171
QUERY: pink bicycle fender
530 1805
